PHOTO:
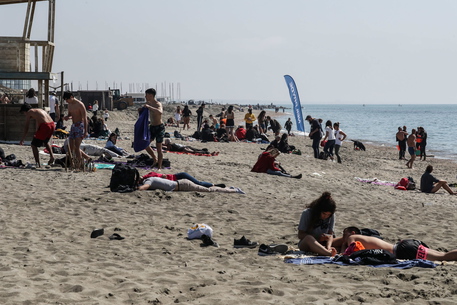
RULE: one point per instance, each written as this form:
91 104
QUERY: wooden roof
16 1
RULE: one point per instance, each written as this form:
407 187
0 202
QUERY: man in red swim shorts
44 132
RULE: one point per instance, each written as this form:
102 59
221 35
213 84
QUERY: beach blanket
142 138
376 181
320 260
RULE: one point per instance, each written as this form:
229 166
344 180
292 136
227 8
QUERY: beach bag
198 230
124 178
402 184
411 184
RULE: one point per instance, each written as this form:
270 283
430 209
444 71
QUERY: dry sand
48 257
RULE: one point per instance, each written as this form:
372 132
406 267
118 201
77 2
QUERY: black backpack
124 178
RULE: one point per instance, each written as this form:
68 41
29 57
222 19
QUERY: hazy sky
387 51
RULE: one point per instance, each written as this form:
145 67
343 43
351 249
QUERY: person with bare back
44 132
156 126
77 113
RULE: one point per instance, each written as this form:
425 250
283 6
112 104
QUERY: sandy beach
47 216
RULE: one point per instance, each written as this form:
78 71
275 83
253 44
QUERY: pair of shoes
243 242
273 249
207 241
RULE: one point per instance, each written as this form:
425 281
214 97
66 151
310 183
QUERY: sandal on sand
116 236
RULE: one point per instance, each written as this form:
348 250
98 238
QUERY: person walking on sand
79 129
178 114
314 134
156 126
340 136
288 126
186 113
401 138
411 148
430 184
316 227
44 132
200 116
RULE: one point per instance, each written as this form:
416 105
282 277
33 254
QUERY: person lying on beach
316 227
404 249
183 185
44 132
92 150
429 184
168 145
266 163
111 145
180 176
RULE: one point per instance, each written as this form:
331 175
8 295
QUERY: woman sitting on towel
267 164
183 185
316 227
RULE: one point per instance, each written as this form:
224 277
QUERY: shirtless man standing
401 138
156 127
44 132
77 113
411 148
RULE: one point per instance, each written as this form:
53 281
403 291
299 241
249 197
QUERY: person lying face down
168 145
183 185
180 176
404 249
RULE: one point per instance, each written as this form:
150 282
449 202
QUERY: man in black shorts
156 126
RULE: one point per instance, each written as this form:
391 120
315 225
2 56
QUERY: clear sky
360 51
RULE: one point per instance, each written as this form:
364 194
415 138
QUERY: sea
378 124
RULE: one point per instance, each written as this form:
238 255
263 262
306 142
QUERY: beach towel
190 153
142 138
376 181
320 260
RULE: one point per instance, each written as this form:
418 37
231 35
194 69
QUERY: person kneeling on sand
267 164
316 227
404 249
183 185
429 184
180 176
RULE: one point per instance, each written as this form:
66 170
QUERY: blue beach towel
142 138
320 260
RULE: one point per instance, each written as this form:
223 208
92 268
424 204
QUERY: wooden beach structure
25 59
